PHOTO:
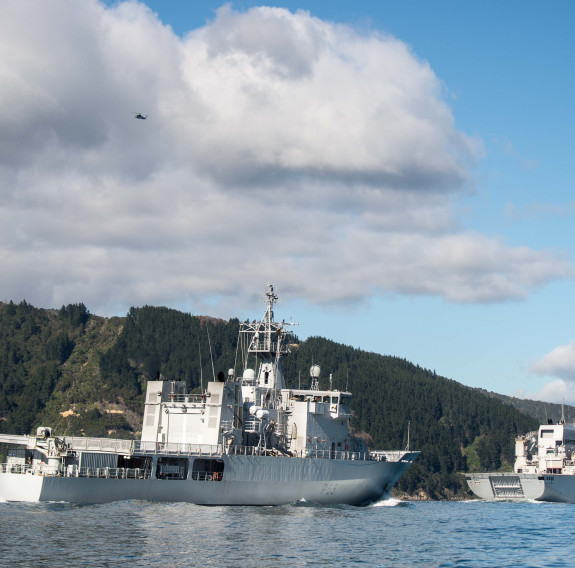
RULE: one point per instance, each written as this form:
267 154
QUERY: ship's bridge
334 403
556 439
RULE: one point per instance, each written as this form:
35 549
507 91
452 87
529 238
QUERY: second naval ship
544 468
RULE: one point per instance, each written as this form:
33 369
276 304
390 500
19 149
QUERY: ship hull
248 480
558 488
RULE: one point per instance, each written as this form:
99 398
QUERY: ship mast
266 340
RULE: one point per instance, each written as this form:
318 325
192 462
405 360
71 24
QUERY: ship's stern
506 486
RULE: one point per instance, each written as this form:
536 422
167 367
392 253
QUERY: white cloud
286 95
558 391
560 362
278 147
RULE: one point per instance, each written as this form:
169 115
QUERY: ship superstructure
247 439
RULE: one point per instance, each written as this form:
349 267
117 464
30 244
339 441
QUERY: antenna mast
201 369
211 355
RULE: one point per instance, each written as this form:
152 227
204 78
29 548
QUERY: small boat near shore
246 440
544 468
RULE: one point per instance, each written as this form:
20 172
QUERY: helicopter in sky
140 116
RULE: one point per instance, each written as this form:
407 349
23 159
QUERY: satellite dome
249 374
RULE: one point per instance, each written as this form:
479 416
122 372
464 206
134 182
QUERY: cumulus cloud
559 364
278 147
557 391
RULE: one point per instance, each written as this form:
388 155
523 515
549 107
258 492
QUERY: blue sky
400 170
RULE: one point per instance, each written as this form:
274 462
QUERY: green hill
543 411
85 375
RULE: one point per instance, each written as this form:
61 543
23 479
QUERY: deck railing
132 447
152 448
174 449
110 472
193 398
206 476
75 471
115 445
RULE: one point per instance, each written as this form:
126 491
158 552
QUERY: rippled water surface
138 533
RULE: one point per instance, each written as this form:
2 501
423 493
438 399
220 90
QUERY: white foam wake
390 502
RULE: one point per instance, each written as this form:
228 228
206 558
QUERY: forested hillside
84 374
543 411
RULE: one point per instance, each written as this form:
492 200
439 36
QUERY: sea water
393 533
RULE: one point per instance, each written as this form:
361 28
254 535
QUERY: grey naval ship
544 468
246 440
